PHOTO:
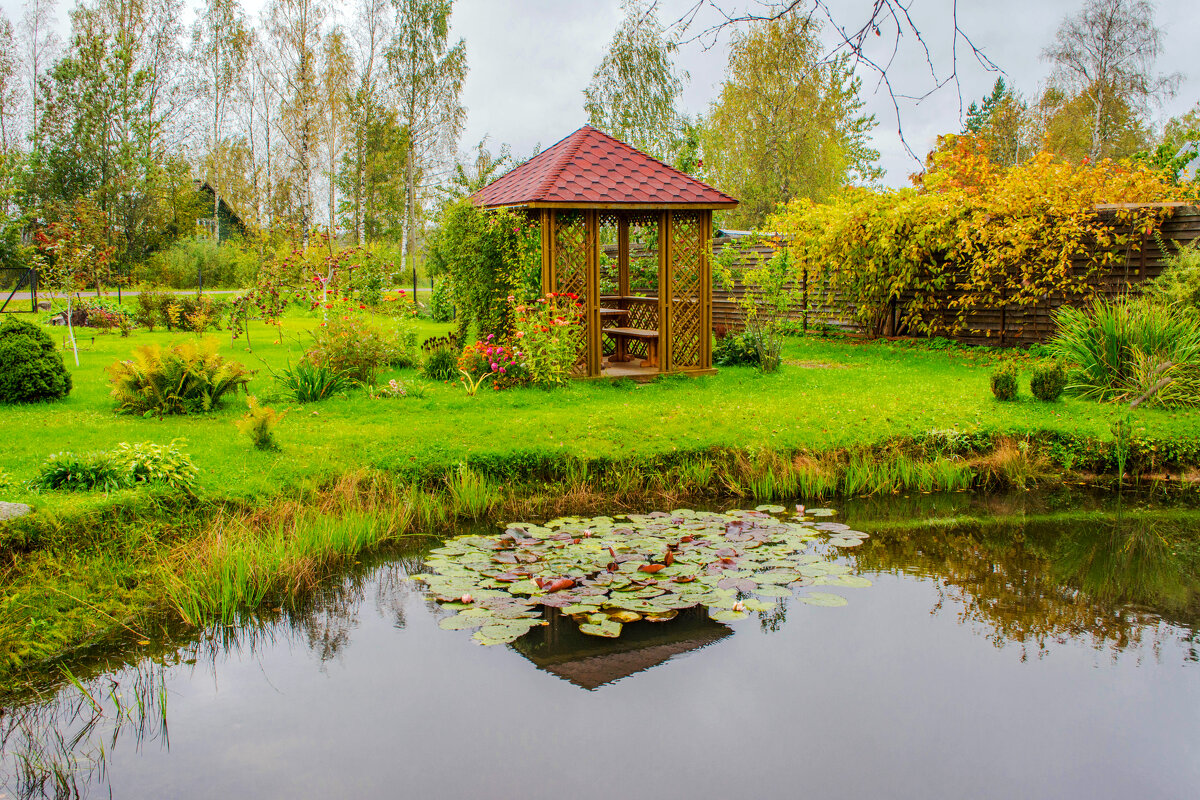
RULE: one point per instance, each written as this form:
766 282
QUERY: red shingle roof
592 167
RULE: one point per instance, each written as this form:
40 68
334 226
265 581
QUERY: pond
1004 648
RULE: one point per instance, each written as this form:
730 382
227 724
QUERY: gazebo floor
629 369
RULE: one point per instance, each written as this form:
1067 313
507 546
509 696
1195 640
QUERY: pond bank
128 566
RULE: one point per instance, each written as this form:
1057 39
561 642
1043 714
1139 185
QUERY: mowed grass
829 394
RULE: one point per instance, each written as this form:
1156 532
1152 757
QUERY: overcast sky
531 59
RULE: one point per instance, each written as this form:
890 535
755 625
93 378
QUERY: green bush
308 383
31 370
1048 382
227 266
1004 382
125 466
146 462
441 309
1131 351
187 378
734 349
360 349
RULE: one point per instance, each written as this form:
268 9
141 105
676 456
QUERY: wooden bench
623 335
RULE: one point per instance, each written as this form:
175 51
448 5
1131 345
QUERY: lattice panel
570 268
642 315
687 312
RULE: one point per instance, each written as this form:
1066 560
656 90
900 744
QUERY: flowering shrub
349 343
504 363
550 337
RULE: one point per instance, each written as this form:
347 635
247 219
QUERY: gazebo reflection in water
590 662
630 236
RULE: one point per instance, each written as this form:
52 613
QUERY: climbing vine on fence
972 235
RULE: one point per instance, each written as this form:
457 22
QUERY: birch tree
633 92
219 55
428 74
1106 54
10 88
40 45
337 68
295 27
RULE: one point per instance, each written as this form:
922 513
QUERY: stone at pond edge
13 510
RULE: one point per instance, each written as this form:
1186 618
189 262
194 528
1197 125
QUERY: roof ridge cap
568 154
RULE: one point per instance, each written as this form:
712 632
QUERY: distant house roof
234 218
590 167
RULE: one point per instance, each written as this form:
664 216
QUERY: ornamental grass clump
1004 382
186 378
1048 382
1134 351
308 383
31 369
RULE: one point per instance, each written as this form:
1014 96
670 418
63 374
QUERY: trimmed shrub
1004 382
187 378
31 369
1048 382
146 462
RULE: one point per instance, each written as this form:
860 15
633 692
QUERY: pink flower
494 365
502 370
520 334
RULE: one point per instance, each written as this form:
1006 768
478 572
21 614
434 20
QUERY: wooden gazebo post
567 189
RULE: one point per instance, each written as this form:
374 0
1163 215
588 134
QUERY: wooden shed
630 236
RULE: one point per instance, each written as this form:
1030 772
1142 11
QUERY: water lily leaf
772 591
820 512
460 623
823 599
842 580
661 616
606 629
725 615
757 605
771 509
523 587
580 608
839 541
624 617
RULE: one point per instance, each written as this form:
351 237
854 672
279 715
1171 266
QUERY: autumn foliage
973 235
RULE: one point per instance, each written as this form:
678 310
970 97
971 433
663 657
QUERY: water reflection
1112 580
590 662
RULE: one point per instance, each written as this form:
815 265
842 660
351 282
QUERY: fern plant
186 378
259 424
307 382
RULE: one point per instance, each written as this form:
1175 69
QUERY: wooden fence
1007 325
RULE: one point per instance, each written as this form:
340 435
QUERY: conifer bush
1048 382
31 369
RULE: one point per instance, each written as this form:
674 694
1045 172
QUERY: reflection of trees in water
57 744
59 748
1121 583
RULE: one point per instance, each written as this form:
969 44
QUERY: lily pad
607 629
725 615
823 599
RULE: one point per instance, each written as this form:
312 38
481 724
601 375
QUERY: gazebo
631 237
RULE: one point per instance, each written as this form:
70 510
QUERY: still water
1038 655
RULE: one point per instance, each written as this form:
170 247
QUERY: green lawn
829 394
